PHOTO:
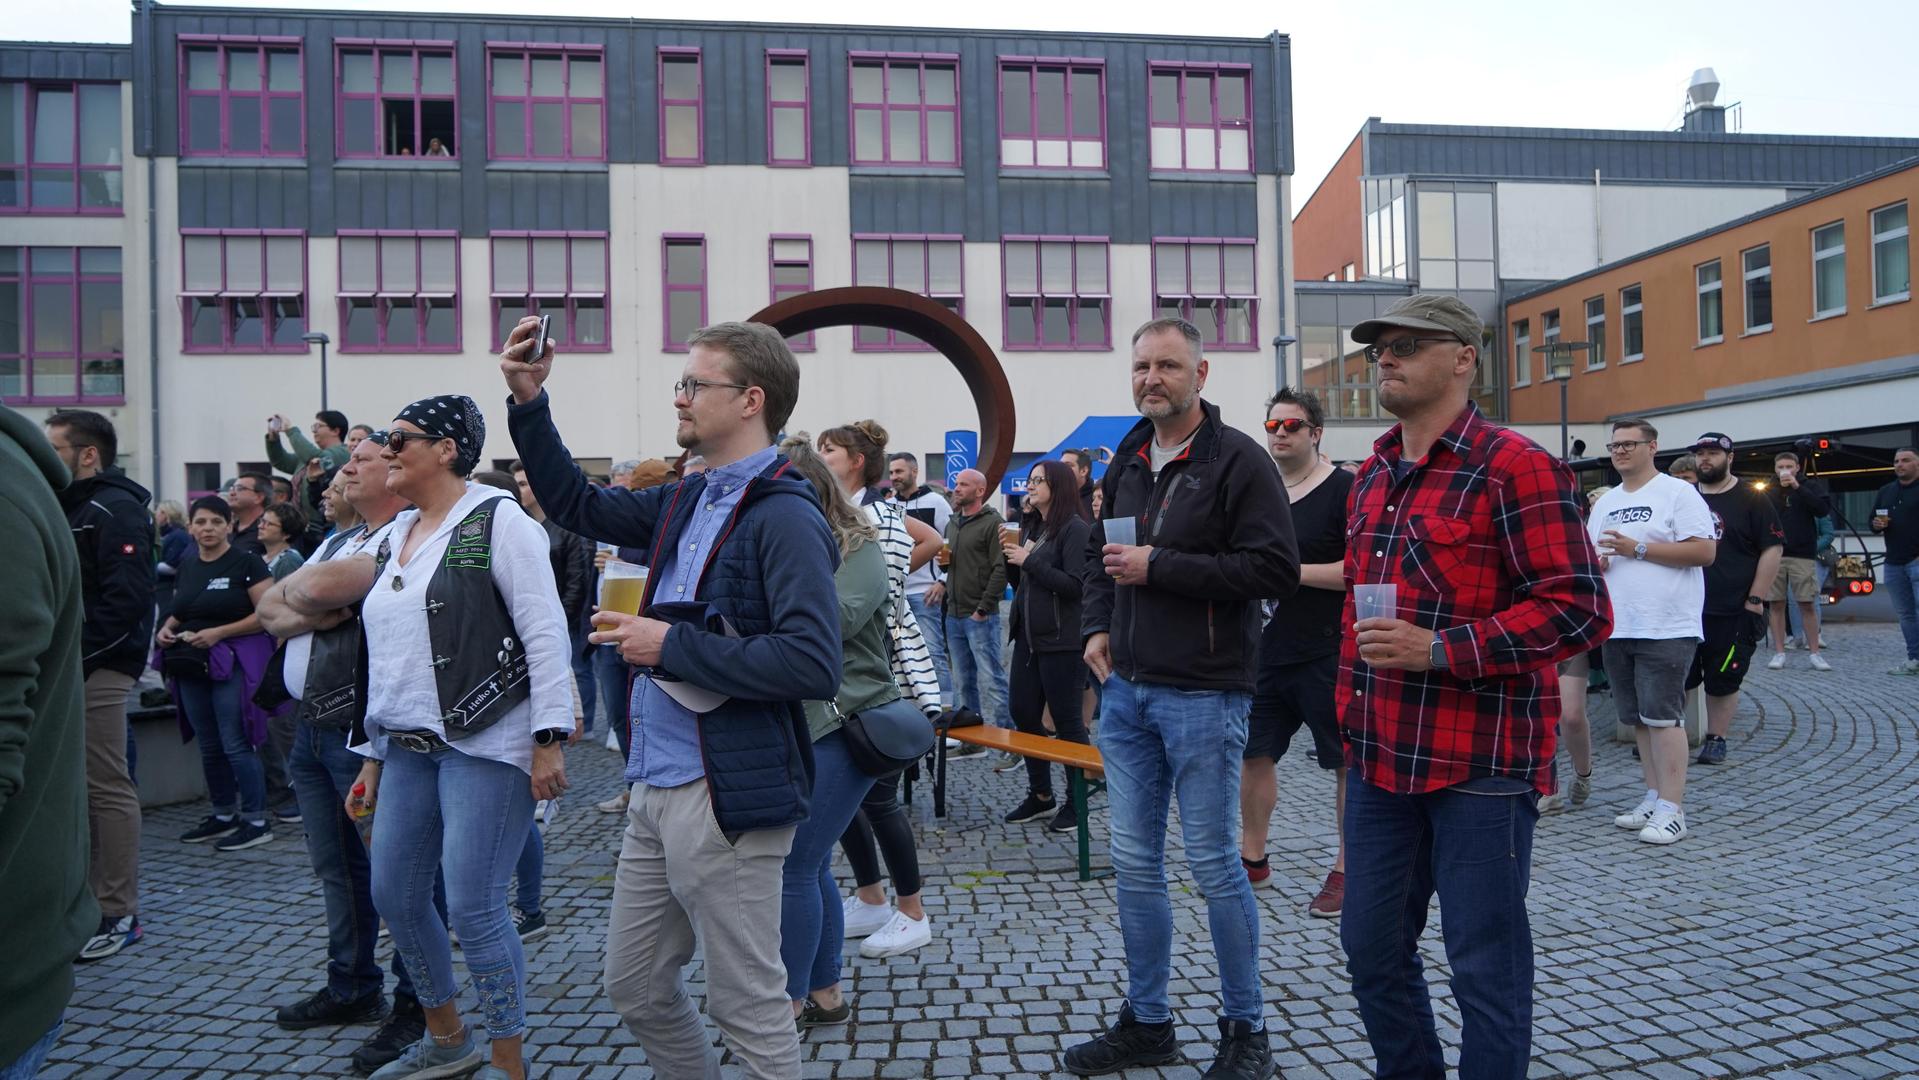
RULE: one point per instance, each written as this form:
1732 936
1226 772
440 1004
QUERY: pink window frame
680 54
228 44
667 289
419 295
1007 296
804 106
227 300
1217 125
895 340
80 169
570 297
1032 64
567 100
803 342
378 46
1187 299
885 108
26 278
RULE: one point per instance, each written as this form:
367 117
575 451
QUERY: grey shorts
1649 678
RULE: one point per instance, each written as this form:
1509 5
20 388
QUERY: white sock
1650 801
223 817
1665 807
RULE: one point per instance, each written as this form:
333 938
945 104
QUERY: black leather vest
335 692
479 661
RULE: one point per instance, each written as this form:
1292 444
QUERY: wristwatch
1436 654
1755 599
549 736
1639 552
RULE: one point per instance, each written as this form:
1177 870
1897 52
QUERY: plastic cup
1376 601
622 587
1009 535
1122 530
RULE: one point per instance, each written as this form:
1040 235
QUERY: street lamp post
317 337
1559 368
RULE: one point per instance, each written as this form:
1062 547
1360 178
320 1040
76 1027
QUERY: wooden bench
1084 769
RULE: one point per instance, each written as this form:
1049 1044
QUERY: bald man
975 581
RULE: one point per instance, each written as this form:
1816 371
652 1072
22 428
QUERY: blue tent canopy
1091 434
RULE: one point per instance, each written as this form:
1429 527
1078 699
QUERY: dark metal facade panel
395 199
545 201
219 198
65 60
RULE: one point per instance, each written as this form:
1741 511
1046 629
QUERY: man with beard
1751 543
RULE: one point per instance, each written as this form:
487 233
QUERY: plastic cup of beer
946 554
622 585
1009 535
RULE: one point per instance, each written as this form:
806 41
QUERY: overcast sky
1798 67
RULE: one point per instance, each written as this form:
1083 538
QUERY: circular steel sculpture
897 309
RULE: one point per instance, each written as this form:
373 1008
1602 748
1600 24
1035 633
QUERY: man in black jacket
1197 530
1800 502
1081 462
114 532
573 572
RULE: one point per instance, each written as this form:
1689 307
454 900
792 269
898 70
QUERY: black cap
1712 440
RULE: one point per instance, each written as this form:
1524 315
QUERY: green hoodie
44 900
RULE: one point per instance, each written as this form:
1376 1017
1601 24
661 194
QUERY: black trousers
1039 681
880 829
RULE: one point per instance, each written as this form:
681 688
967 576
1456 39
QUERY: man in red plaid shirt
1447 698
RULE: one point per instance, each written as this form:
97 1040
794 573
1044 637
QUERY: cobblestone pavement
1780 940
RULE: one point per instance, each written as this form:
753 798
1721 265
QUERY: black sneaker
813 1014
1126 1044
324 1008
529 925
1712 751
1067 820
404 1026
246 836
1032 809
213 828
288 814
1244 1054
115 933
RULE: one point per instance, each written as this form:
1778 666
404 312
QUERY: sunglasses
396 440
1290 425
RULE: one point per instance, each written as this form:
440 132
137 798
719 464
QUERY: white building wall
1551 231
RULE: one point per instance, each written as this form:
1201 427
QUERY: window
1202 118
1891 255
1455 239
1211 284
791 274
682 108
1632 325
546 103
397 100
1350 273
1712 315
1333 366
684 260
1549 335
1596 332
1387 250
243 291
789 108
61 340
203 478
399 292
929 265
553 273
242 97
1057 292
1522 353
60 148
1829 270
905 110
1756 267
1052 114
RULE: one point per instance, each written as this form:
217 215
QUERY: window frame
229 297
1032 65
1222 298
418 295
109 172
776 292
570 297
525 51
378 47
25 278
1075 298
667 288
886 60
1249 124
1627 313
226 44
1701 289
1595 356
1747 277
664 55
1818 257
1901 232
804 106
1522 332
897 340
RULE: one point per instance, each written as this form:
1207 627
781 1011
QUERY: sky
1619 64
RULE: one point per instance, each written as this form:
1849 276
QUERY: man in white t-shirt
1655 536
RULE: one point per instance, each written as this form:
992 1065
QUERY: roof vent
1703 88
1701 115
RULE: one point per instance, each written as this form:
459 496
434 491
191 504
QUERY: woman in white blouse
468 714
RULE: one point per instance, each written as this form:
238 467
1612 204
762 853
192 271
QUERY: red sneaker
1332 896
1259 873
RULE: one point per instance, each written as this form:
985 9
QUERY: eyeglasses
690 388
1290 425
396 441
1403 347
1629 444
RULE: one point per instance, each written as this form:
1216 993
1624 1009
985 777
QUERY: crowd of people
392 649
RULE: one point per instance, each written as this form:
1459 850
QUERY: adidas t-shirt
1650 601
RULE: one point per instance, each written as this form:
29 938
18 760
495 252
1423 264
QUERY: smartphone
539 340
274 425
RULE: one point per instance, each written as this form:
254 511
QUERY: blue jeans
27 1065
1476 852
812 923
235 777
1159 741
616 684
1902 581
979 673
932 620
469 817
583 675
529 872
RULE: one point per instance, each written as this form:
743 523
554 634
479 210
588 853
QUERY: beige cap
1426 311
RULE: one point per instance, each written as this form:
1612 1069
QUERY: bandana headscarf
451 416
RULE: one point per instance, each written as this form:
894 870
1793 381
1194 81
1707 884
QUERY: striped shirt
912 661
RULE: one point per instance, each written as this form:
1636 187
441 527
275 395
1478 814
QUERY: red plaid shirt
1485 542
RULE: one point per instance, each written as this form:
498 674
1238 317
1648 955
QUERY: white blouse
401 690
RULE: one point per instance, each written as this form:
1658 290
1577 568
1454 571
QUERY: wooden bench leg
1077 778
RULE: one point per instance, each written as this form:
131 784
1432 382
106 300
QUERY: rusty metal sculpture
911 313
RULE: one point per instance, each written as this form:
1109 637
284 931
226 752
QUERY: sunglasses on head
1290 425
396 439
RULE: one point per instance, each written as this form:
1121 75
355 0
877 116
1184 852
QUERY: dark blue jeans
584 675
1475 851
529 873
812 923
616 689
235 777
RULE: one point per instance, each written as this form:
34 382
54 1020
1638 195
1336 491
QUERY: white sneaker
1666 827
1638 816
1778 661
864 919
1792 643
1819 663
1553 803
1910 667
900 935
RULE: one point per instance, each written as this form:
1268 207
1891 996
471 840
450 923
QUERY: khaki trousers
113 804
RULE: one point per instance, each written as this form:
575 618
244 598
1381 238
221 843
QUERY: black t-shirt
1902 538
1799 511
209 594
248 539
1746 525
1306 625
